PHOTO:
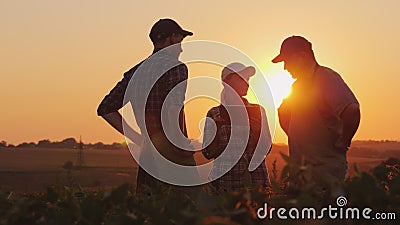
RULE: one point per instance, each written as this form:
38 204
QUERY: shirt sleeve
176 89
336 93
209 136
265 132
264 144
115 99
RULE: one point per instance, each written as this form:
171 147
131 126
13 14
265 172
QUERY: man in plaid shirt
164 33
238 175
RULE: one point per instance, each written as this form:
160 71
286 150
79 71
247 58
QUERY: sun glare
280 82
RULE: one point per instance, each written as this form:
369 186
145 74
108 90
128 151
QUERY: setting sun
280 82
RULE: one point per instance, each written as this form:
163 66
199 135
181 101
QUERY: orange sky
59 58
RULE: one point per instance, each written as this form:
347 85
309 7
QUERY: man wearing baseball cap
320 116
164 33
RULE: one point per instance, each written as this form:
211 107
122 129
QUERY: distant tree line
70 143
369 148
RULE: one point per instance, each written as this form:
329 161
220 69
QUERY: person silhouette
251 118
166 36
320 116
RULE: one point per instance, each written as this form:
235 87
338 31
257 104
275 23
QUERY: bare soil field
33 169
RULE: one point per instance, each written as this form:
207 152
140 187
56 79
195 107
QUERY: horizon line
110 143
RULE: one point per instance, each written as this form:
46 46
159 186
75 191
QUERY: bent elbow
354 110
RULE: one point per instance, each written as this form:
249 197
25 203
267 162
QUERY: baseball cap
292 45
238 68
164 28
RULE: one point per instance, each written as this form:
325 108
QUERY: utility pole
81 160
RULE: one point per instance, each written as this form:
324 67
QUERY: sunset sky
60 58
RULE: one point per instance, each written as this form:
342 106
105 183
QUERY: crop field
32 170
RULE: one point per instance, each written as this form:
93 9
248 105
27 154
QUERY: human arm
351 120
109 106
264 144
116 121
175 126
265 132
210 146
177 131
342 103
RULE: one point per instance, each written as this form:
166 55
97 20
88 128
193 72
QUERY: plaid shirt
141 83
238 177
155 77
